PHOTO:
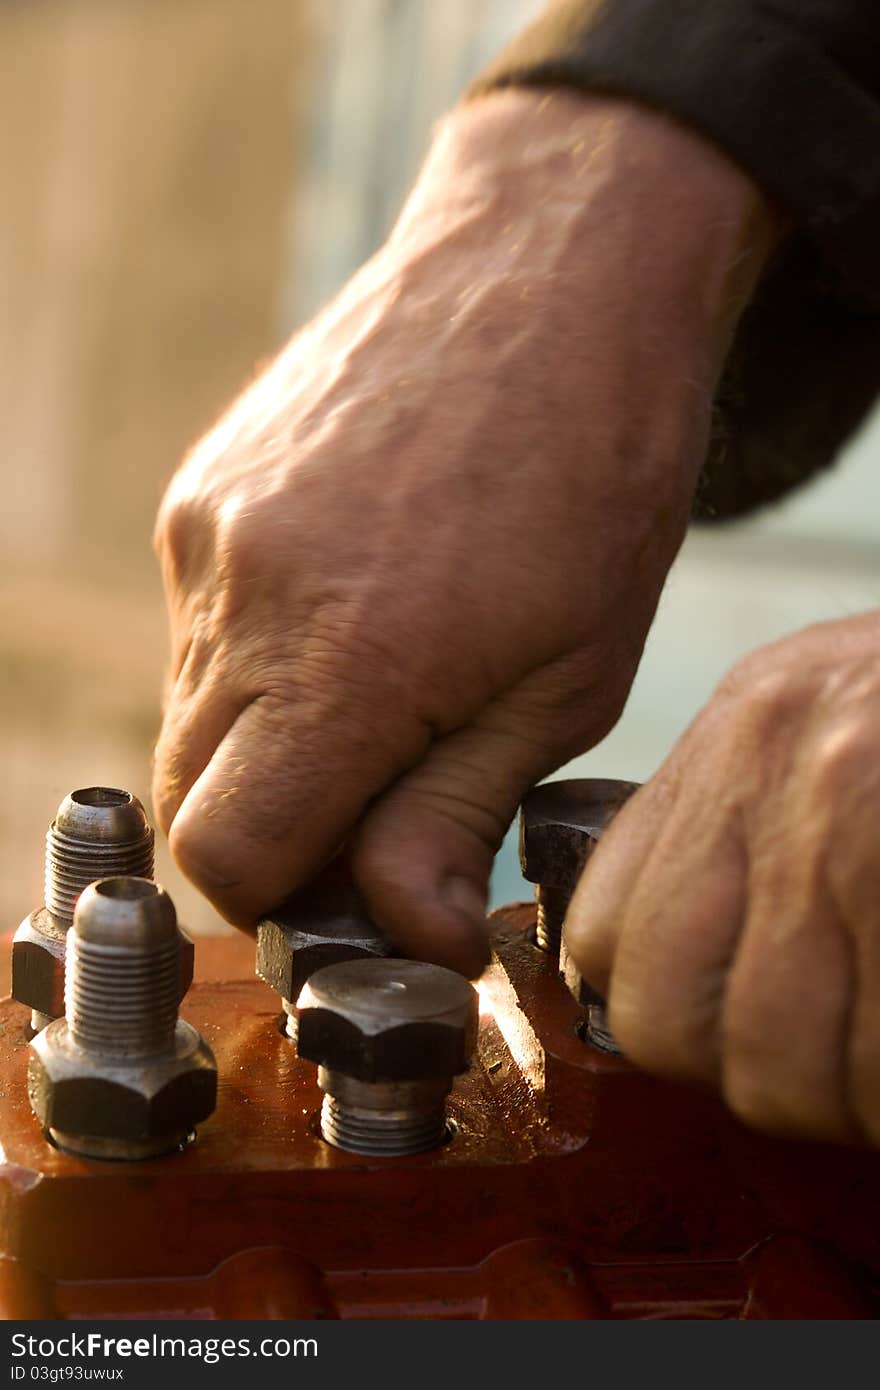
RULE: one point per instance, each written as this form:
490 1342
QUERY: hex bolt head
388 1037
560 825
120 1076
324 924
97 832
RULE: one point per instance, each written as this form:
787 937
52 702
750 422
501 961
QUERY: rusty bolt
388 1037
324 924
97 832
560 825
120 1076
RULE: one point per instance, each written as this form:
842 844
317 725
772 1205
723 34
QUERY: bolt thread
385 1118
291 1027
552 907
72 864
121 999
386 1134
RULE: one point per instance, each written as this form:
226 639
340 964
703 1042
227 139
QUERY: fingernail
468 901
466 897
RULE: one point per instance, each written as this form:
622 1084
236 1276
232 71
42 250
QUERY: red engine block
573 1187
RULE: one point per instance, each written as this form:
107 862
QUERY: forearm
572 168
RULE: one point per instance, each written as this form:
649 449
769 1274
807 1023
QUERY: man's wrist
705 229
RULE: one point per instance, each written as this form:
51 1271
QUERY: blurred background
182 182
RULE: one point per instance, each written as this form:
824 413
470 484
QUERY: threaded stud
98 832
552 905
122 969
388 1119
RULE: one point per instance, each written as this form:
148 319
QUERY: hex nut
323 925
38 950
388 1020
88 1095
561 821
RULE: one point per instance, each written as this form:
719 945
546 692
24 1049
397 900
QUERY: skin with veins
411 572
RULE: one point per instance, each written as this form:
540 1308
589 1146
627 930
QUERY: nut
73 1093
388 1020
38 949
561 821
38 956
324 924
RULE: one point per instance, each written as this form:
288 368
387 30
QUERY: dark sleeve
790 89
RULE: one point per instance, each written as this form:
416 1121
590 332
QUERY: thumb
423 853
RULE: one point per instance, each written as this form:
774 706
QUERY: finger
201 709
276 798
785 1014
655 921
863 1058
423 854
854 878
676 944
599 903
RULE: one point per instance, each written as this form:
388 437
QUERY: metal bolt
97 832
560 825
322 925
120 1076
388 1037
594 1028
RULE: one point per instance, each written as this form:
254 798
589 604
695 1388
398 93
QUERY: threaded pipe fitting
120 1076
389 1119
98 832
122 969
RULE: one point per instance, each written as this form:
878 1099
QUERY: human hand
412 570
731 913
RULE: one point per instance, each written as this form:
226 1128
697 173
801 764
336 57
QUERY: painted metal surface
573 1187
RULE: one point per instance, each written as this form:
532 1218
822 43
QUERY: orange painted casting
574 1187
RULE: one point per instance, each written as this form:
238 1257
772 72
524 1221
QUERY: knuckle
176 522
243 540
761 689
844 753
